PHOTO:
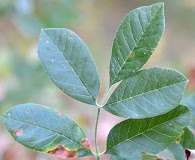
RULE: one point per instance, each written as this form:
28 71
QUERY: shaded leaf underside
188 139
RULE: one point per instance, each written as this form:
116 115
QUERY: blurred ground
23 80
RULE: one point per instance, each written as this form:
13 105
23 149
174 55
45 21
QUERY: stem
96 141
96 124
104 97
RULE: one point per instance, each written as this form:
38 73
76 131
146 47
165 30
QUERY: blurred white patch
33 55
2 91
24 6
189 154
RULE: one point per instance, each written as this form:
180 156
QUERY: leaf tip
43 30
161 4
85 144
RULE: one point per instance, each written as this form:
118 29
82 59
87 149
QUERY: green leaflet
148 93
152 135
46 130
68 63
176 150
135 41
187 140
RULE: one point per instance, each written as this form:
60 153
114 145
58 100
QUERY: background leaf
145 156
152 135
46 130
148 93
68 63
188 139
176 150
190 102
135 41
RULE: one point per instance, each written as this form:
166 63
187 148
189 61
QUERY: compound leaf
152 135
46 130
69 64
135 41
148 93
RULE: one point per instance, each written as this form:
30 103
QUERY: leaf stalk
101 104
96 130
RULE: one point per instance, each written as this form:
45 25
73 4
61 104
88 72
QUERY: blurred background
23 80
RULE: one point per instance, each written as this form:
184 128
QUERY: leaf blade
46 130
69 64
133 136
135 40
148 93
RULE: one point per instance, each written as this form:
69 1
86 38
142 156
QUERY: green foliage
190 102
28 125
152 135
145 156
150 157
148 93
150 98
28 77
176 150
35 15
68 63
187 139
135 41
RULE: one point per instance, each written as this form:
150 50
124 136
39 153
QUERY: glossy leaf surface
69 64
148 93
152 135
135 41
46 130
188 139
